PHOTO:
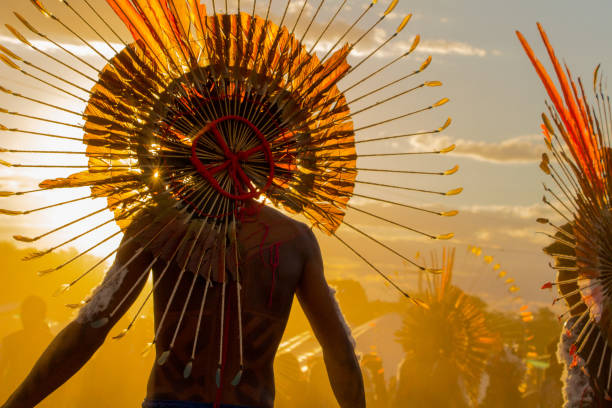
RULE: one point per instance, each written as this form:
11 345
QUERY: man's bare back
279 257
266 302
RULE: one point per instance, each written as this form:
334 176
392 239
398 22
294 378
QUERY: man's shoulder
281 218
299 232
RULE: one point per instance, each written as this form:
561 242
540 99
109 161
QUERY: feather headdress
577 135
452 329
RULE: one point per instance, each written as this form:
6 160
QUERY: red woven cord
250 209
232 161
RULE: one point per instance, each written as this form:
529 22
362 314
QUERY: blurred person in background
506 371
423 384
18 350
550 391
290 382
374 381
319 389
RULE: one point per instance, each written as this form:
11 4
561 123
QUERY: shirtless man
300 271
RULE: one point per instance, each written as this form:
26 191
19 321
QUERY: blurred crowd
118 373
417 385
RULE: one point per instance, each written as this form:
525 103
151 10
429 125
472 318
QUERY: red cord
274 262
232 161
263 241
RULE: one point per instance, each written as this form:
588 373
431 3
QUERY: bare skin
265 314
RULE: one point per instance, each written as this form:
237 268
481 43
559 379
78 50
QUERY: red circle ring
232 161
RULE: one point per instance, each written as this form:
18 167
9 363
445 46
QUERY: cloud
445 47
394 16
530 212
521 149
55 30
81 50
502 224
518 226
300 6
378 36
437 47
333 33
372 40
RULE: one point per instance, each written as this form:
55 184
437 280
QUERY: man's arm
76 343
321 309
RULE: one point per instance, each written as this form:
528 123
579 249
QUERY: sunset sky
496 101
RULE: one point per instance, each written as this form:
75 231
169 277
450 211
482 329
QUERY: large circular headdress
449 338
580 167
201 113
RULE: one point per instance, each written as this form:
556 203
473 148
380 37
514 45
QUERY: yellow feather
403 23
391 7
